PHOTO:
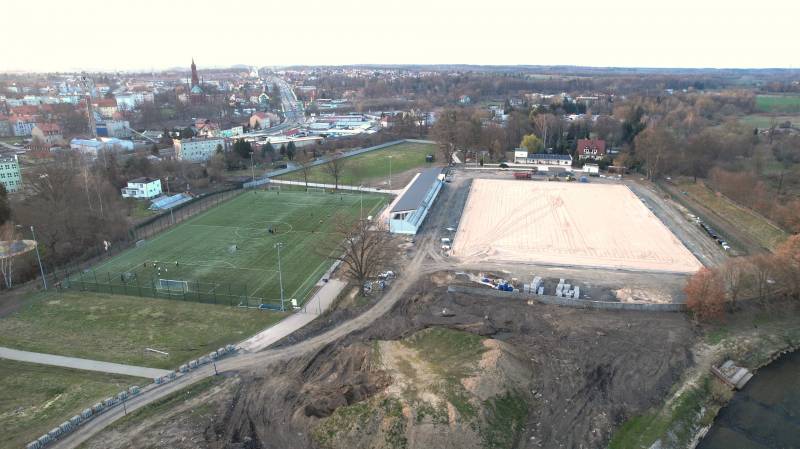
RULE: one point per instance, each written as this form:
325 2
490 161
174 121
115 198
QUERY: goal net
172 286
316 190
274 187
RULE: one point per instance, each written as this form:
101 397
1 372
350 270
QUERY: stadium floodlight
278 246
39 258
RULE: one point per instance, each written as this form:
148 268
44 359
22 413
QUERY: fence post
197 289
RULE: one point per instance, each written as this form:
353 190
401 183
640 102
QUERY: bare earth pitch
593 225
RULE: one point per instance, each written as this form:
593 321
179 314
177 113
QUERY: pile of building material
732 375
536 287
563 290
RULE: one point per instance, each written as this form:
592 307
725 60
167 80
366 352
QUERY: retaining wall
569 302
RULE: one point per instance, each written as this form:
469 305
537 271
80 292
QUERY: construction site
524 313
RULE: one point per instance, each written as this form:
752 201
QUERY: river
765 414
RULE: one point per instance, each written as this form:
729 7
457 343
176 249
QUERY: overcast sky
50 35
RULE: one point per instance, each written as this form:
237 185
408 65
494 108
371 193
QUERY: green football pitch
230 252
372 168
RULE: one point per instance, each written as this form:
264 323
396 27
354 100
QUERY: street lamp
278 246
252 167
39 258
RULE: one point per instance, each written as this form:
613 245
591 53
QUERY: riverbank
752 338
763 414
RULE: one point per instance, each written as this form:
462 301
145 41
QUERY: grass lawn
37 398
372 168
778 103
227 253
117 328
765 121
749 222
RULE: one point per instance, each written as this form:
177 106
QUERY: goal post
274 187
172 286
315 189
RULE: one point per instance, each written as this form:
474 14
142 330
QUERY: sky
66 35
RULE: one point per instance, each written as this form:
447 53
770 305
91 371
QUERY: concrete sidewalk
312 309
82 364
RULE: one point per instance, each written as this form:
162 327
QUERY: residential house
47 134
260 120
10 175
23 125
593 149
197 149
107 107
145 188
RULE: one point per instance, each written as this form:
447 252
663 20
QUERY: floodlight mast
278 246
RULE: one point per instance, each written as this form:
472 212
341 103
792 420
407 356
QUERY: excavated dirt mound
580 373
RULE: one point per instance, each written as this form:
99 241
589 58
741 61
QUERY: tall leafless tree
362 250
335 167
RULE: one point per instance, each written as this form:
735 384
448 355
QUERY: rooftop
413 197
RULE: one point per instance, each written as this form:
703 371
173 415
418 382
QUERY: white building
10 175
409 211
197 150
523 157
92 147
142 188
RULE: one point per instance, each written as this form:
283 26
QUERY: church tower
195 79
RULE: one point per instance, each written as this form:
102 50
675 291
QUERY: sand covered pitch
593 225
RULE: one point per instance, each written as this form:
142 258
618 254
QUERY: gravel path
84 364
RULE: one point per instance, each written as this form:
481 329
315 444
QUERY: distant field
227 254
749 222
36 398
778 103
117 328
372 168
765 121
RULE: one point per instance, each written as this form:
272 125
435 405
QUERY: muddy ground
591 370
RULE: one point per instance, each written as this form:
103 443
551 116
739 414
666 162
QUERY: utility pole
278 246
39 258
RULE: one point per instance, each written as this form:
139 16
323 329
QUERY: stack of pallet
563 290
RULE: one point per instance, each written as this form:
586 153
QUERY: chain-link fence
132 284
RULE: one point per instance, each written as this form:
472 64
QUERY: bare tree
334 167
305 168
733 274
362 250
